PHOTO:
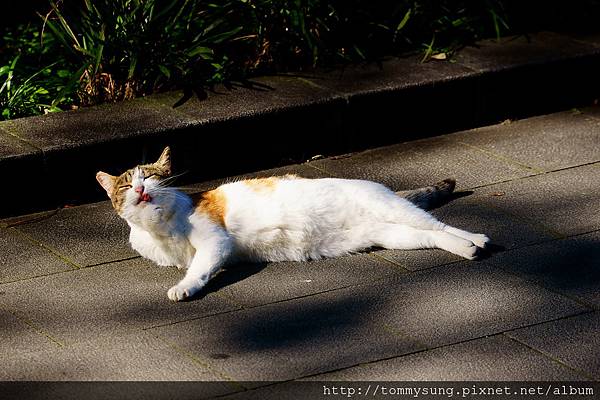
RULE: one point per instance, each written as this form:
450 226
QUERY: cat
286 218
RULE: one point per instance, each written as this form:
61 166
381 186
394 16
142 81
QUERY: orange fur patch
266 185
262 185
213 204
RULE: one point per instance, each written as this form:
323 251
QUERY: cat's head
140 191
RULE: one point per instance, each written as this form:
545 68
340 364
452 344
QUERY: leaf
359 52
428 50
221 37
404 20
165 71
439 56
203 52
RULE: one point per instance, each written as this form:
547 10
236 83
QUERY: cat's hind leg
479 239
403 237
410 215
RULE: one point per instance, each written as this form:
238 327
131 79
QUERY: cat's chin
143 213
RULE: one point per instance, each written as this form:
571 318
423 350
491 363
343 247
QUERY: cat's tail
430 196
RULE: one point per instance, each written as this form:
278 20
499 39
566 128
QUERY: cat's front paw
177 293
185 289
182 292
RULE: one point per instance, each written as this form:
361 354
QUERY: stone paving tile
467 213
20 158
385 101
252 285
393 74
290 339
302 170
138 356
89 125
420 163
493 55
335 329
495 358
546 143
267 94
23 259
566 202
569 266
12 147
105 300
463 301
573 341
86 235
16 337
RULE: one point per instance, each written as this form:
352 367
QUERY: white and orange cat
284 218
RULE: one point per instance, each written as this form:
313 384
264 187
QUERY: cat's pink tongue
145 197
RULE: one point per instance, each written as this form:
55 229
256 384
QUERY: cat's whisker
167 181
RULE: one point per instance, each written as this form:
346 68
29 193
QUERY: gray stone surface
332 330
469 214
394 74
415 260
290 339
568 266
23 259
495 358
252 285
11 147
17 337
138 356
18 161
545 143
265 95
112 320
105 301
463 301
422 162
563 202
59 131
573 341
493 55
86 235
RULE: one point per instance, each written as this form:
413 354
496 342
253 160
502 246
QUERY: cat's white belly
274 244
301 220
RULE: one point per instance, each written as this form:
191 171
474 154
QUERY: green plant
43 91
86 52
127 48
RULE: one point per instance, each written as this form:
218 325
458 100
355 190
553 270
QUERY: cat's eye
124 187
150 176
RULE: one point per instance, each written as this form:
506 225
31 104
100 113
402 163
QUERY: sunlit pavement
76 303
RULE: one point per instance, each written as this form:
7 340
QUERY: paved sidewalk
76 303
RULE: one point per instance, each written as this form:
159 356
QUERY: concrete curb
50 161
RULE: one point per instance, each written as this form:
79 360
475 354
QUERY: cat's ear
106 181
164 162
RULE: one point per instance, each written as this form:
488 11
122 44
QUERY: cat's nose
139 189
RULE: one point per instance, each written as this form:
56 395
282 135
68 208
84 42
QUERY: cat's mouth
144 198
